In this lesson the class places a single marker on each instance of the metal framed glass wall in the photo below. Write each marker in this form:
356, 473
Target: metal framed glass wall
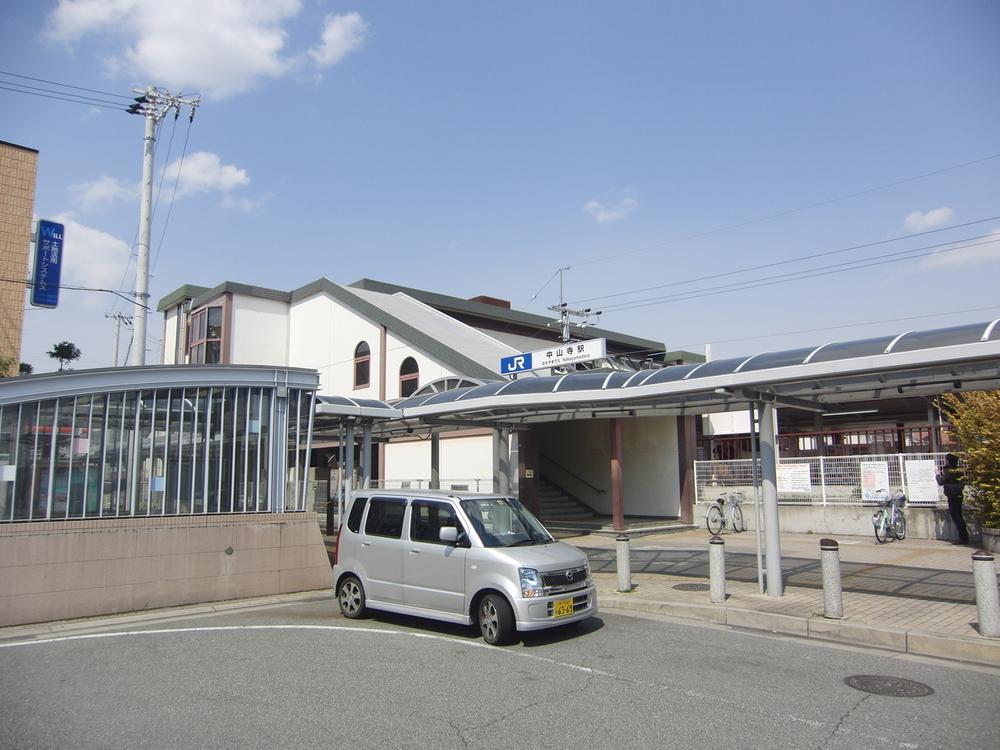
155, 452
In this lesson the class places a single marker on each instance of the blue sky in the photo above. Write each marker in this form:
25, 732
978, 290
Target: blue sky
475, 148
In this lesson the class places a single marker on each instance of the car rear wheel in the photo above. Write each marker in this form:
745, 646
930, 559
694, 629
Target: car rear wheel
351, 597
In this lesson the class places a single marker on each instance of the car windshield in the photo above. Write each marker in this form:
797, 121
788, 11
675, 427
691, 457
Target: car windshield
504, 522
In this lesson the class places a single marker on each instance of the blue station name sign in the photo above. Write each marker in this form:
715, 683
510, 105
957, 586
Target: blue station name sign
48, 263
555, 356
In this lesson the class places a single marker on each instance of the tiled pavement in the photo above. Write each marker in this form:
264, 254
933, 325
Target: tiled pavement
932, 620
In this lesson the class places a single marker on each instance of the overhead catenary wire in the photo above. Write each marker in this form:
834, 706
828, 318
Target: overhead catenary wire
800, 275
787, 261
787, 212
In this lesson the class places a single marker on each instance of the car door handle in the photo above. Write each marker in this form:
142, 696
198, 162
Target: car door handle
366, 544
414, 552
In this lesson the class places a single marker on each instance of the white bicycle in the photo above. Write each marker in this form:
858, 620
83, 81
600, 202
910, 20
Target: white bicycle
889, 518
726, 513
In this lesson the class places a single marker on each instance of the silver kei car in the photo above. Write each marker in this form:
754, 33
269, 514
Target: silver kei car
461, 558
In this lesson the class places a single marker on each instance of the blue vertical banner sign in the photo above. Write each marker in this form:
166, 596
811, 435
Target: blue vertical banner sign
48, 263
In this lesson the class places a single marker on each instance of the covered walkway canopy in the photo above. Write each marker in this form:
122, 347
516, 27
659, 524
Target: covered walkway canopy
814, 378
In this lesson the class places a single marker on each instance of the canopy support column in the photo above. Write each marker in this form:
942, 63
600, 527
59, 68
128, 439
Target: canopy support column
366, 455
435, 461
617, 485
769, 486
501, 461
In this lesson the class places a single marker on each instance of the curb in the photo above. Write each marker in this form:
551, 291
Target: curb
956, 648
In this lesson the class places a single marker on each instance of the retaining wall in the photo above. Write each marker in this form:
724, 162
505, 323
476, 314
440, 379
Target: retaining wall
67, 569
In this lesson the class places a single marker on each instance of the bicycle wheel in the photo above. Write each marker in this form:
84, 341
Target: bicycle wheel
738, 524
881, 523
713, 519
899, 528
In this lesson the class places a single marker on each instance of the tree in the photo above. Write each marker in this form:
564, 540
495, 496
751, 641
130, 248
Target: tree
975, 415
25, 369
64, 351
7, 366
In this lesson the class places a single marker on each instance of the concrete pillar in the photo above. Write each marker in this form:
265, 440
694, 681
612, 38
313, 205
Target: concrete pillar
987, 598
435, 461
687, 446
717, 570
501, 461
617, 484
624, 559
769, 501
833, 595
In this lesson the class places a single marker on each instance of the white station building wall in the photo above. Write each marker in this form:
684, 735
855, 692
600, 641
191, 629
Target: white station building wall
464, 460
259, 331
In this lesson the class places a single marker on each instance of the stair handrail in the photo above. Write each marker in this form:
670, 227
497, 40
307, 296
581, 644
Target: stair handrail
571, 473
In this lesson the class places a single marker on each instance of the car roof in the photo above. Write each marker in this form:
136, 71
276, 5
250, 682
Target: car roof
428, 494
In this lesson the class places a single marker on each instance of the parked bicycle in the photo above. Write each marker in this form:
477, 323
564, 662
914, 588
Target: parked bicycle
889, 518
726, 513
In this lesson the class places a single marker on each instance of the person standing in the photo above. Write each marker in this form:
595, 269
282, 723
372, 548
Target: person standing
953, 485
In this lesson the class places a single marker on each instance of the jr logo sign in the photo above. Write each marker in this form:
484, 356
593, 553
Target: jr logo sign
516, 363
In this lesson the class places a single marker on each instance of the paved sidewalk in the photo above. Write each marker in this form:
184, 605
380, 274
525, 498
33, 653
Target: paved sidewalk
938, 623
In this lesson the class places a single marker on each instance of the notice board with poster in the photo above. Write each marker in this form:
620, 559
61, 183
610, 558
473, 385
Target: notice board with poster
874, 477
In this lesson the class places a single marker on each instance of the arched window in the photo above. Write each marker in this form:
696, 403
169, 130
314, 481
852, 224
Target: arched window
409, 377
362, 365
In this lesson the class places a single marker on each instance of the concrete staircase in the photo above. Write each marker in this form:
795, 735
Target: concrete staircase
557, 506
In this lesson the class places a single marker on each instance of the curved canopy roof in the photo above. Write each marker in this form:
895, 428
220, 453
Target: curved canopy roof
965, 357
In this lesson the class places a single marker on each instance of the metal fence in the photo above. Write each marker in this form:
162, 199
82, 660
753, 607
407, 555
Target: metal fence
829, 480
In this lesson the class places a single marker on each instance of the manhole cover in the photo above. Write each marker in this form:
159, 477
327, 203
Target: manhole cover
691, 586
894, 687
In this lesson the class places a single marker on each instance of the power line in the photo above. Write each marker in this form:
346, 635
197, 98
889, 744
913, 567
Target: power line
28, 89
173, 195
791, 260
789, 211
64, 99
64, 85
27, 282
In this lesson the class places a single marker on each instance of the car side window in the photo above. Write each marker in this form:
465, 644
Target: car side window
357, 511
427, 518
385, 517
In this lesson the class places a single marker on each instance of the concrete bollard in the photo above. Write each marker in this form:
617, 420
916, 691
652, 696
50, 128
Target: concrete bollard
624, 545
833, 595
987, 598
717, 570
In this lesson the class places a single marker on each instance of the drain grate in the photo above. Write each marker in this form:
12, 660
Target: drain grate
691, 586
894, 687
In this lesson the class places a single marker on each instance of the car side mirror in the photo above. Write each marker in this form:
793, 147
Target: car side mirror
448, 534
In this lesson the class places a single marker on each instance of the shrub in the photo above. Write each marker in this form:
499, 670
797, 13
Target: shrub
975, 415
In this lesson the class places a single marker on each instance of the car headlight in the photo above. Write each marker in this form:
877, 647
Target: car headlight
590, 576
531, 583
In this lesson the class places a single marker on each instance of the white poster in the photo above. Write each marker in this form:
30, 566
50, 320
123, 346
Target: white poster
874, 477
794, 479
921, 482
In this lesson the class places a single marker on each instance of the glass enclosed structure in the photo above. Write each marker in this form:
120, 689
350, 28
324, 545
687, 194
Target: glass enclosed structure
155, 441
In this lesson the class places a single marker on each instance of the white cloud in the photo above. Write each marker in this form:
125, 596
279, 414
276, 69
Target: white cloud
977, 254
609, 214
341, 36
203, 172
921, 222
91, 257
103, 192
218, 47
246, 205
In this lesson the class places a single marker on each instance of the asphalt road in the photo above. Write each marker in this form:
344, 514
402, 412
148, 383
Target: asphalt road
300, 676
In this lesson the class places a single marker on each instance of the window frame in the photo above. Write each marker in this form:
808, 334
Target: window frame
409, 377
372, 503
415, 505
362, 358
199, 341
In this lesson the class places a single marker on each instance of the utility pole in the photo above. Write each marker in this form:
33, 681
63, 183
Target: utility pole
119, 318
566, 312
153, 104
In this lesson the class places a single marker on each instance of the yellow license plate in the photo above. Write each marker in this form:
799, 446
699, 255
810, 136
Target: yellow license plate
562, 608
